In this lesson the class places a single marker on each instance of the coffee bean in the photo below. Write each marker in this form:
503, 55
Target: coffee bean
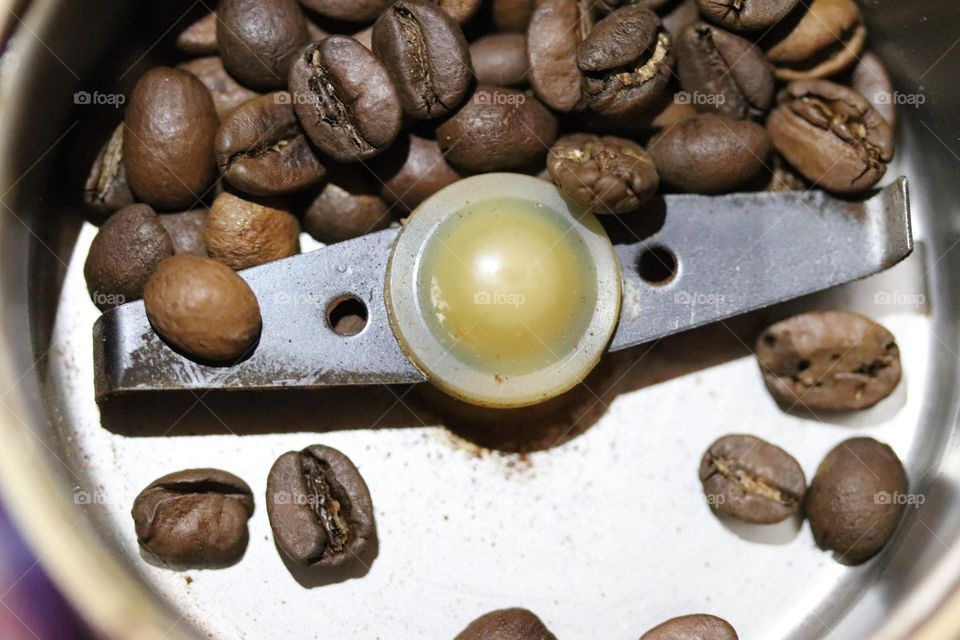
870, 78
710, 153
195, 517
126, 250
227, 93
557, 27
507, 624
831, 135
319, 507
168, 139
603, 174
830, 360
259, 40
346, 207
856, 499
106, 189
186, 231
698, 626
244, 233
460, 10
726, 73
411, 171
512, 15
353, 11
827, 38
678, 16
497, 129
626, 60
200, 38
608, 6
750, 15
203, 309
262, 150
784, 178
752, 480
426, 55
344, 98
500, 59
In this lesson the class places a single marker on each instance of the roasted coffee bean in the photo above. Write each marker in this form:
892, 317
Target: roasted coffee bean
674, 113
195, 518
426, 55
227, 93
678, 16
603, 174
870, 79
557, 27
830, 360
125, 251
243, 233
259, 40
353, 11
411, 171
856, 499
319, 507
746, 15
344, 98
500, 59
826, 40
626, 60
186, 231
497, 129
512, 15
831, 135
723, 72
507, 624
347, 206
168, 139
698, 626
710, 153
459, 10
262, 150
202, 308
608, 6
752, 480
106, 189
200, 38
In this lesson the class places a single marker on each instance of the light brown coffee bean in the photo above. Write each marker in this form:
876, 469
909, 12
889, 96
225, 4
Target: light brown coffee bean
827, 39
244, 233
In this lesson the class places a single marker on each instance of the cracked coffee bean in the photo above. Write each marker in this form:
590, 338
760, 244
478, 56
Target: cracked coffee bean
507, 624
603, 174
827, 39
856, 499
829, 360
411, 171
245, 233
262, 150
831, 135
557, 27
186, 231
106, 189
345, 100
227, 93
746, 15
200, 38
319, 507
203, 309
194, 518
352, 11
500, 59
348, 206
425, 53
698, 626
729, 73
752, 480
259, 40
626, 60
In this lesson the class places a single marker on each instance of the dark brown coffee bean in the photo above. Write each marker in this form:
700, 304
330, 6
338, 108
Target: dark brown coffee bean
227, 93
186, 231
752, 480
831, 360
831, 135
195, 517
870, 79
678, 16
106, 189
507, 624
500, 59
125, 251
262, 150
259, 40
723, 72
411, 171
745, 15
353, 11
497, 129
557, 27
626, 60
243, 233
200, 38
856, 499
512, 15
203, 309
698, 626
603, 174
347, 207
710, 153
425, 53
319, 507
827, 39
344, 98
168, 139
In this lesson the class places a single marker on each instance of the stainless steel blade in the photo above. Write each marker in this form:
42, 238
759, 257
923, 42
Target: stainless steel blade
734, 253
